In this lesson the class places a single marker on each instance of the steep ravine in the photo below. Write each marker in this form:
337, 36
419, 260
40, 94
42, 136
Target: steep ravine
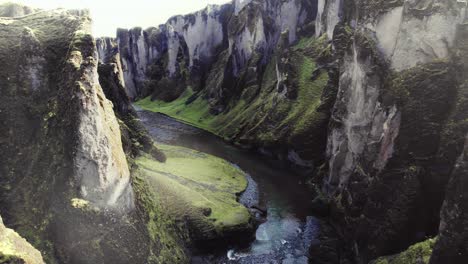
368, 98
370, 94
77, 164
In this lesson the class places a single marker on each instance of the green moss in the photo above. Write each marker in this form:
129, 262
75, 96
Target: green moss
195, 113
166, 238
417, 253
198, 187
304, 111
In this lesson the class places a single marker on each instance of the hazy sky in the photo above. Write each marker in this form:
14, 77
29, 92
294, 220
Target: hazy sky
111, 14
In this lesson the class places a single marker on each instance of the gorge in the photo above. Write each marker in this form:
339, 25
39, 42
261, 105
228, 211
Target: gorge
258, 131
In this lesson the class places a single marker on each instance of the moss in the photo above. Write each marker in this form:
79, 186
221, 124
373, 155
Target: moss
419, 253
425, 107
166, 238
198, 187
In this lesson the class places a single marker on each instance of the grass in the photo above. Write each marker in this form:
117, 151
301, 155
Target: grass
303, 112
417, 253
166, 238
198, 187
196, 113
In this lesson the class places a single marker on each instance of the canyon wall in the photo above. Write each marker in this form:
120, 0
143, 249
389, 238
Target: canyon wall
397, 125
231, 59
66, 155
369, 93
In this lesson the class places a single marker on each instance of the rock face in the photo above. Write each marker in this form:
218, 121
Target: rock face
15, 249
396, 126
100, 163
188, 45
451, 244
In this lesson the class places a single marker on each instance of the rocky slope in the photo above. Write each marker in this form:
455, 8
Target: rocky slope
375, 91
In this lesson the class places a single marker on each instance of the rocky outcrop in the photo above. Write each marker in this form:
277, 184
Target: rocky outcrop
134, 136
15, 249
100, 164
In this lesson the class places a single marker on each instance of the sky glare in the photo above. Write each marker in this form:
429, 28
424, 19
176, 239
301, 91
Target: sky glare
108, 15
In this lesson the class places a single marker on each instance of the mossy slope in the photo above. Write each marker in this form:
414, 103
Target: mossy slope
419, 253
199, 190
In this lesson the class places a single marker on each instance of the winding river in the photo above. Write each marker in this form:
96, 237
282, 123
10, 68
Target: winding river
288, 231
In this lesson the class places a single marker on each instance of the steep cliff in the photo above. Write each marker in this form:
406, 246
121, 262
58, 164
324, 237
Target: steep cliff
65, 180
397, 125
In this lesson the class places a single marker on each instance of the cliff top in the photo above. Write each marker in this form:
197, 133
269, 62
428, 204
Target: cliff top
41, 33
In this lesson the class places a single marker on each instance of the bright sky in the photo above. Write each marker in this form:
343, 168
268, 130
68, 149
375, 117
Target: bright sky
108, 15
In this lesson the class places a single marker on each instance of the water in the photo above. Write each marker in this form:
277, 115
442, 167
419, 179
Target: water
288, 231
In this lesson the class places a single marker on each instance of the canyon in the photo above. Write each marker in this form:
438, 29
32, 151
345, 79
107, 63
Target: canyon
358, 109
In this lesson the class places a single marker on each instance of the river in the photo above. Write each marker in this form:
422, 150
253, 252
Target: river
289, 228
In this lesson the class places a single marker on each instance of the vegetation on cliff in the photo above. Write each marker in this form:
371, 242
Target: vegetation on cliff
419, 253
285, 107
